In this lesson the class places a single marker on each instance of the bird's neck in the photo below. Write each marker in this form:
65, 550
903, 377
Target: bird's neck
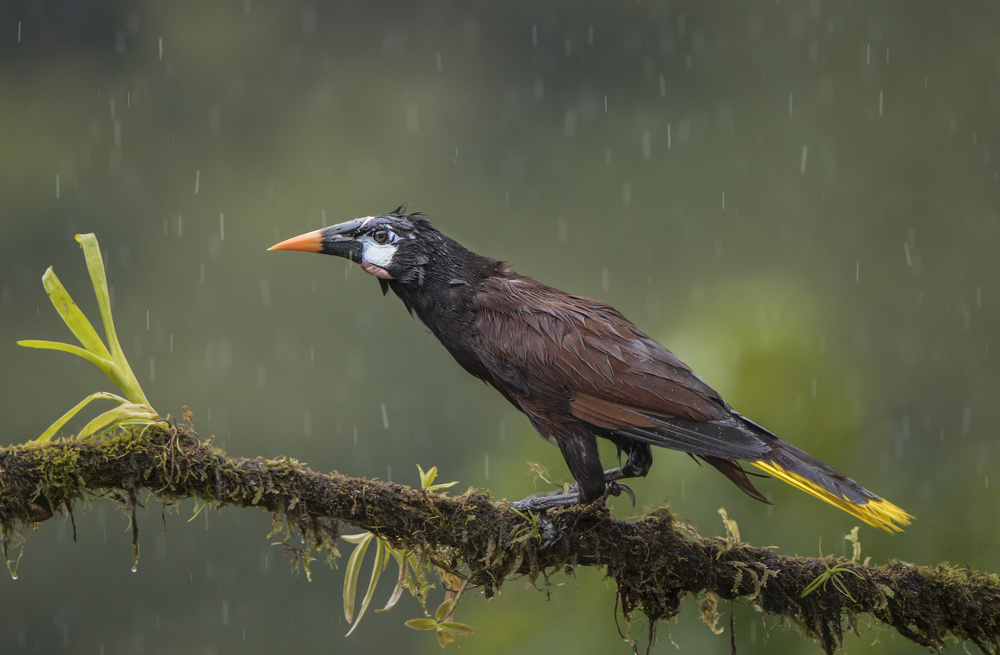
442, 295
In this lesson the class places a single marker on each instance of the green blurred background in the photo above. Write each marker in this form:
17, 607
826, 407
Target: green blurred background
799, 199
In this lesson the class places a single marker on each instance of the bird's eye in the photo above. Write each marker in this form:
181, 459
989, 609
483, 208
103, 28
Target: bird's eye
381, 236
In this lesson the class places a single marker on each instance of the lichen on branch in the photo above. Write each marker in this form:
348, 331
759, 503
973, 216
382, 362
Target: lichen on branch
655, 562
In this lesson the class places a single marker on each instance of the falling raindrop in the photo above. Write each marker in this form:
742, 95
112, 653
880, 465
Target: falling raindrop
487, 476
385, 417
197, 180
57, 186
802, 162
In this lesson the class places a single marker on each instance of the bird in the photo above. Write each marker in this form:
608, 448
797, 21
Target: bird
577, 368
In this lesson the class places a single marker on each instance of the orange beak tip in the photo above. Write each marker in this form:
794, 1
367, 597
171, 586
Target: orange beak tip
308, 242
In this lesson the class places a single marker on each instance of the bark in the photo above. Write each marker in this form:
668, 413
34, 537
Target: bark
656, 562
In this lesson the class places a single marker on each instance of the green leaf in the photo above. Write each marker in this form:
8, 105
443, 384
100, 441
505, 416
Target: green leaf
95, 264
124, 414
444, 609
104, 364
427, 479
55, 427
351, 574
422, 624
443, 485
381, 558
456, 628
71, 314
444, 637
401, 582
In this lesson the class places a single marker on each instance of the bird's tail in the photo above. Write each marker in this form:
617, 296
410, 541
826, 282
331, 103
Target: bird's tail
803, 471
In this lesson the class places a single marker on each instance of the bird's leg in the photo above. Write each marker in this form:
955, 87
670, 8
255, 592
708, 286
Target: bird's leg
640, 459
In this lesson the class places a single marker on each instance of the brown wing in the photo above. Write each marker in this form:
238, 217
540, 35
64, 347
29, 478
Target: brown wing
588, 359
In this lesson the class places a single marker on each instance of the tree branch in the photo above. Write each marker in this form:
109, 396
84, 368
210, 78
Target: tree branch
655, 562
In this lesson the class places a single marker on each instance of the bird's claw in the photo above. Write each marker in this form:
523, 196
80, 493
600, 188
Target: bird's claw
616, 489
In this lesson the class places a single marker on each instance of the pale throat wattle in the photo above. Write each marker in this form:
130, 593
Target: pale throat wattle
376, 257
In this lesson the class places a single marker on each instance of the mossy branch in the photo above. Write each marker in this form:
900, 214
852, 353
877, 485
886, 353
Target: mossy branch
655, 562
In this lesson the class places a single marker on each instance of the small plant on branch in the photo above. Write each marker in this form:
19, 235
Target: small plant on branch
133, 408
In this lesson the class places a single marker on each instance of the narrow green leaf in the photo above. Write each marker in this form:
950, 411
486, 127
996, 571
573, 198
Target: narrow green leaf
356, 538
427, 479
380, 561
122, 372
422, 624
104, 364
351, 575
444, 637
404, 573
95, 264
74, 318
457, 628
126, 413
444, 609
55, 427
443, 485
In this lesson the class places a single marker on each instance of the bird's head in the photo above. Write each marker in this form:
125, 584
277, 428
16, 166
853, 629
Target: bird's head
394, 246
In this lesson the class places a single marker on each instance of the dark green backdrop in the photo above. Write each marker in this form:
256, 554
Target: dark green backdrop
800, 199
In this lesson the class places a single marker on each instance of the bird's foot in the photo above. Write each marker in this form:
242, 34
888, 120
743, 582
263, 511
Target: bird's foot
549, 500
616, 489
545, 501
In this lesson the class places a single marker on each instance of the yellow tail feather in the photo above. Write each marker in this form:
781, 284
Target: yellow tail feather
878, 513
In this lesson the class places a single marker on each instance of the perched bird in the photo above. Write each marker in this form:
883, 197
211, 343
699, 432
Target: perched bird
576, 367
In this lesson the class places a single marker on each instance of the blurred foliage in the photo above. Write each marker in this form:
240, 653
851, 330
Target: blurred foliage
800, 198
